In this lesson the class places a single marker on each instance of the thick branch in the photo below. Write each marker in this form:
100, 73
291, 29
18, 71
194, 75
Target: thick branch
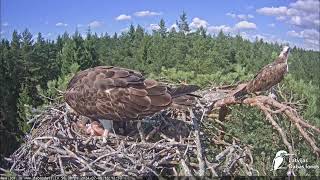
266, 104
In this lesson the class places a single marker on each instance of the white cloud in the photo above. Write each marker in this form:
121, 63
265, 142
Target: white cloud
245, 25
2, 32
174, 25
304, 18
273, 11
250, 16
154, 27
267, 38
296, 20
240, 16
281, 18
197, 23
302, 13
79, 25
95, 24
311, 34
312, 42
60, 24
124, 29
310, 38
46, 35
147, 13
217, 29
272, 25
306, 5
249, 35
293, 33
244, 35
231, 15
83, 35
5, 24
123, 17
249, 7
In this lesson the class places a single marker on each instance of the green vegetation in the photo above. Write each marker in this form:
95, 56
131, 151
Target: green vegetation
31, 69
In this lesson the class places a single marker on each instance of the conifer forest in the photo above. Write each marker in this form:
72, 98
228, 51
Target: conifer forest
35, 72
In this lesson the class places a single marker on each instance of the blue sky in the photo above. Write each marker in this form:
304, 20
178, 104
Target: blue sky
286, 21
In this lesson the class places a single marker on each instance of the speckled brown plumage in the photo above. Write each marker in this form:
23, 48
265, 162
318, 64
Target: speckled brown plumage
268, 76
119, 94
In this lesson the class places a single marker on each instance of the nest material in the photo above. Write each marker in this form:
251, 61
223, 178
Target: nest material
169, 143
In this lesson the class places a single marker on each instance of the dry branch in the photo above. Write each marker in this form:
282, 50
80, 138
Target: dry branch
164, 144
266, 104
161, 145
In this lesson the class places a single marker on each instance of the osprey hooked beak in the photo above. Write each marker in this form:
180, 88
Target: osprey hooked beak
285, 51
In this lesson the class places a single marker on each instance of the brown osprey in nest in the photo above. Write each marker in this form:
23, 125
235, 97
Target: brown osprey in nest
117, 94
268, 76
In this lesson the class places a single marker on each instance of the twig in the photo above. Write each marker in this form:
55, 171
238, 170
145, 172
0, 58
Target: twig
198, 143
61, 165
72, 154
282, 134
186, 169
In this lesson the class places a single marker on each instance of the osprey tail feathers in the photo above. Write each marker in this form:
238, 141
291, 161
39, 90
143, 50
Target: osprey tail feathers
240, 93
183, 90
182, 97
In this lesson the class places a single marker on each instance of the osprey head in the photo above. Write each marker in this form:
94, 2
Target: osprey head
285, 51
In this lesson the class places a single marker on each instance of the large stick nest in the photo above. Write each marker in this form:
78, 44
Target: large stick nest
169, 143
172, 142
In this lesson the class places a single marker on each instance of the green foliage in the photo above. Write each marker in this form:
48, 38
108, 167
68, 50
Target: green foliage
183, 23
55, 88
217, 78
36, 72
24, 110
250, 125
306, 94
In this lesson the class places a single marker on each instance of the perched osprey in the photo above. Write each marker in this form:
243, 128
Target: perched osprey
117, 94
268, 76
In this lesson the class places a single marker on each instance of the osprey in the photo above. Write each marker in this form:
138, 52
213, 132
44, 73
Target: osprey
268, 76
109, 94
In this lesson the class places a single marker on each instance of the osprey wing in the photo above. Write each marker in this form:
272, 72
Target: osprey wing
267, 77
115, 93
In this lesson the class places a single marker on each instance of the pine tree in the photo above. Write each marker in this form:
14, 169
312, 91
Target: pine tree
139, 33
24, 109
131, 32
163, 29
90, 51
196, 58
202, 31
67, 57
183, 23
